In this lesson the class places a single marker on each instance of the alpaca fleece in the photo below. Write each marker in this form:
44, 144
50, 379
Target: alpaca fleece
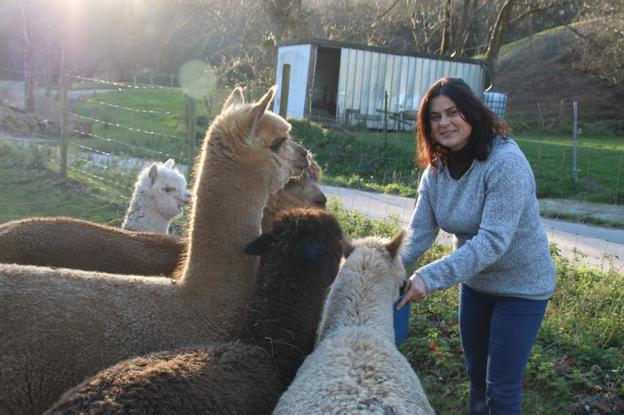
78, 244
356, 367
300, 258
60, 326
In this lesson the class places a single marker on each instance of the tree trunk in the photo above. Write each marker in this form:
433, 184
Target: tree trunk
446, 27
497, 33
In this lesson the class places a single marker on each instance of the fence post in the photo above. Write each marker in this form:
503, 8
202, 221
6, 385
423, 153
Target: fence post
191, 126
385, 118
63, 97
617, 183
574, 116
64, 139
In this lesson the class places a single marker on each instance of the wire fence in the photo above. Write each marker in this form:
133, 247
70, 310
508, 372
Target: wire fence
114, 129
157, 122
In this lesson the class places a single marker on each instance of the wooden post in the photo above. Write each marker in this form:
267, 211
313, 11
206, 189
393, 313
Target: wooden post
63, 98
385, 118
191, 129
574, 114
617, 183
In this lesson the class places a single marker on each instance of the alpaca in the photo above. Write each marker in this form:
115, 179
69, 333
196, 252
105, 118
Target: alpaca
356, 367
59, 326
74, 243
301, 191
300, 259
78, 244
159, 195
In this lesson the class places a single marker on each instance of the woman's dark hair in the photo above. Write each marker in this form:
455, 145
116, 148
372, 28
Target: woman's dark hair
485, 124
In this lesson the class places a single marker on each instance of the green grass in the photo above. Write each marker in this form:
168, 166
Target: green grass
577, 359
30, 188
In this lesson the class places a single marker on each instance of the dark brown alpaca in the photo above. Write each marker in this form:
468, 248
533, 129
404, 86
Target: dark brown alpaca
300, 259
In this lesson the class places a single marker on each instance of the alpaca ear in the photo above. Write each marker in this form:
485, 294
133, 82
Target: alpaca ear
394, 245
153, 173
259, 245
347, 247
308, 251
169, 163
259, 108
235, 98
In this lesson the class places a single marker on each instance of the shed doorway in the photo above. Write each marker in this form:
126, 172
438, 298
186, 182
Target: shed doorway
325, 84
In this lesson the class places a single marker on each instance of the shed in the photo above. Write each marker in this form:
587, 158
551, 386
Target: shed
347, 83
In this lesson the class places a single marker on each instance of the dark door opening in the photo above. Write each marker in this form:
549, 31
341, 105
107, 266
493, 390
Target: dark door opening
325, 84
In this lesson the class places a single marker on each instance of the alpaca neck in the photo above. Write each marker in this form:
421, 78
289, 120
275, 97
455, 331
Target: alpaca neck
354, 303
283, 315
143, 216
227, 210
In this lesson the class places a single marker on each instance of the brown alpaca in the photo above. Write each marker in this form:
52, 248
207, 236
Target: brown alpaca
59, 326
79, 244
300, 259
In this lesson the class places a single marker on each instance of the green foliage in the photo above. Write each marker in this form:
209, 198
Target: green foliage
356, 225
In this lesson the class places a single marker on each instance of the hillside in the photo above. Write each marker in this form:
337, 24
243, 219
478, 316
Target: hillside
543, 71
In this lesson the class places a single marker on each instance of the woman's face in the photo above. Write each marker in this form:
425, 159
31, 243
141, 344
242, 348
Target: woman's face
448, 127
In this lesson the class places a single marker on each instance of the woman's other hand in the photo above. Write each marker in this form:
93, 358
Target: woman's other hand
416, 290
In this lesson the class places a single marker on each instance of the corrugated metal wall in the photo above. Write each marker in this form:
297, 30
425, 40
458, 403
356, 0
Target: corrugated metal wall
365, 76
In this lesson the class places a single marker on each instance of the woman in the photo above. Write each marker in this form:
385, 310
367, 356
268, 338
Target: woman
479, 186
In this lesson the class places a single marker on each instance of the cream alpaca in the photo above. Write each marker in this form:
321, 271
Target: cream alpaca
159, 195
59, 326
356, 367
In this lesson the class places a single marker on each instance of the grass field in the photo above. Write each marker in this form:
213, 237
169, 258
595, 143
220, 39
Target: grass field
151, 123
576, 363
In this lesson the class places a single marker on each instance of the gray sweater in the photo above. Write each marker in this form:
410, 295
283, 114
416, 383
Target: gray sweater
500, 245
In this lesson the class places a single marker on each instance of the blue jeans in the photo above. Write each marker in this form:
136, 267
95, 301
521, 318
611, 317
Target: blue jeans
497, 334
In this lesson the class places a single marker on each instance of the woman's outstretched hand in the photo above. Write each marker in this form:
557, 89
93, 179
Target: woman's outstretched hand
415, 290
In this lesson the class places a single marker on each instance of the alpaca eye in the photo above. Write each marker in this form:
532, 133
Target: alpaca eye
169, 189
277, 143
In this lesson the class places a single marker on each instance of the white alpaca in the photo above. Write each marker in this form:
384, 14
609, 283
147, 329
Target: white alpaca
356, 367
159, 195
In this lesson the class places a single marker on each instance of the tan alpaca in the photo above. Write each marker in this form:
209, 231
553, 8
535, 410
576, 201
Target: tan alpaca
302, 191
59, 326
79, 244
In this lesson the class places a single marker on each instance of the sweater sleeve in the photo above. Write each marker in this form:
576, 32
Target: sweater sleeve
509, 184
423, 227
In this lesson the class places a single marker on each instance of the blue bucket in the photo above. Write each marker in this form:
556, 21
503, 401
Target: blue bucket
401, 322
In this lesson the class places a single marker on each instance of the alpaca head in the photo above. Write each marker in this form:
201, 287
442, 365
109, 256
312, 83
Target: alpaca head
368, 283
301, 191
380, 260
253, 137
165, 188
304, 237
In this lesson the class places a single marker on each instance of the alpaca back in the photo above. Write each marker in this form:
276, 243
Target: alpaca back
74, 243
356, 367
299, 261
159, 194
